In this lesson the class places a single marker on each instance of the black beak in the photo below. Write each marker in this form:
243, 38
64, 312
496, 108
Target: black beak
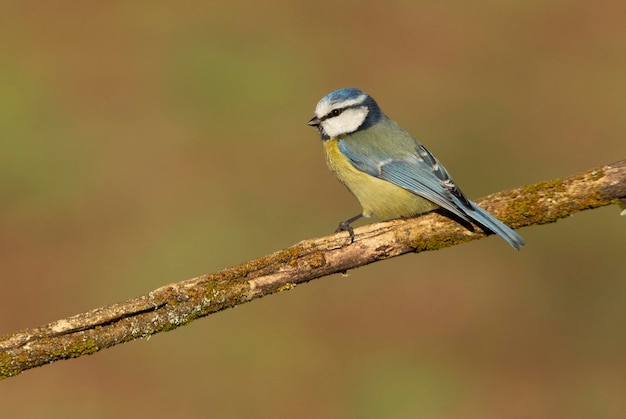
314, 122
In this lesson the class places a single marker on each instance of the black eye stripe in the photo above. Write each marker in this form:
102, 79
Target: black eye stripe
333, 113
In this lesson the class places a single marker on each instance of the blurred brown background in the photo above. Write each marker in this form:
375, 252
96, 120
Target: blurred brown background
143, 143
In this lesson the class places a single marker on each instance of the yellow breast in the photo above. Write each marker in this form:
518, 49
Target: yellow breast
379, 198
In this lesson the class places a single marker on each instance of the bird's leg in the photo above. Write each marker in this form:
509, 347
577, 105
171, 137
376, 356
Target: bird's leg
345, 226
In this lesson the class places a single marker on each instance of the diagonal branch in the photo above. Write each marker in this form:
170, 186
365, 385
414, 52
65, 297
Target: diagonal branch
177, 304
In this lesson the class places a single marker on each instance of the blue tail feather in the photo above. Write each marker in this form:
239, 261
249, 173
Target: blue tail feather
483, 218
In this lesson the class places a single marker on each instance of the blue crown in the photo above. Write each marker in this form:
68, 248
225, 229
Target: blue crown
342, 95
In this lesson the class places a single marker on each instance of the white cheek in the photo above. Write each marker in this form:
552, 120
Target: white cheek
347, 122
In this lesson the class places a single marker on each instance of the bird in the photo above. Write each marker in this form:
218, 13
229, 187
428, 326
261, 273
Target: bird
391, 174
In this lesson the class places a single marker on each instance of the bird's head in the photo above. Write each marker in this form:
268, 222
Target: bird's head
345, 111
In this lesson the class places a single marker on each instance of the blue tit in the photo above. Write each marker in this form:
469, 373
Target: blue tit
388, 171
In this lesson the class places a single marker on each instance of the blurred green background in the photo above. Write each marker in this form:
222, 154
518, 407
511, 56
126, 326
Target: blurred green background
143, 143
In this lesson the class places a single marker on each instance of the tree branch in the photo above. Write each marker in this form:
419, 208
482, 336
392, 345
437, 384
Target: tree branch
177, 304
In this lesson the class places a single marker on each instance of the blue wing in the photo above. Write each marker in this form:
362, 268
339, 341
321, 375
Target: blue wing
418, 171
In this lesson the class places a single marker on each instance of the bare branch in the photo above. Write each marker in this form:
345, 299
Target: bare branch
177, 304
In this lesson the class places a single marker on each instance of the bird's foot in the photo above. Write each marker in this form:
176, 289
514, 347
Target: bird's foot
345, 226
